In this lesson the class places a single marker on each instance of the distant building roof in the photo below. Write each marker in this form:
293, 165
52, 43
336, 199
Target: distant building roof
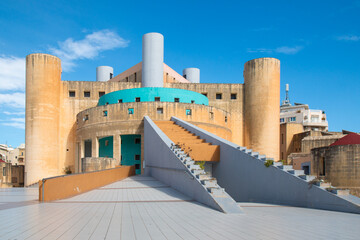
351, 138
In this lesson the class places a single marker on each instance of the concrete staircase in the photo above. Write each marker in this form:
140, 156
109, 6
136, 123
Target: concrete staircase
224, 200
191, 144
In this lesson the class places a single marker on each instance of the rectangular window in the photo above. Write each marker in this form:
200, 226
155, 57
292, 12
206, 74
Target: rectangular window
111, 75
86, 118
86, 94
160, 110
131, 110
157, 99
292, 119
205, 94
188, 111
176, 99
233, 96
120, 101
211, 115
137, 99
282, 138
71, 93
101, 94
137, 157
105, 113
218, 96
137, 140
137, 166
135, 76
4, 171
282, 120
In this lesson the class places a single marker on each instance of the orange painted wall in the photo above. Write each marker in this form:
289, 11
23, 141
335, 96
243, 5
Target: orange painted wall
70, 185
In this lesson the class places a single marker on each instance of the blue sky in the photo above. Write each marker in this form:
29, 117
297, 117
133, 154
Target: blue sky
317, 42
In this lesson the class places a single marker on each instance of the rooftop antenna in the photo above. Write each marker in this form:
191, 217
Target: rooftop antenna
286, 102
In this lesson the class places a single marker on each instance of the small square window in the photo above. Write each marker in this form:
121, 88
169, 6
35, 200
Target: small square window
137, 166
131, 110
157, 99
137, 157
218, 96
137, 140
105, 113
71, 93
188, 111
160, 110
233, 96
176, 99
137, 99
86, 117
205, 94
120, 101
86, 94
101, 94
192, 101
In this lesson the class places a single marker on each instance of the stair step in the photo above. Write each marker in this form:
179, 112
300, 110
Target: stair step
323, 184
216, 190
307, 178
278, 164
203, 176
255, 154
241, 148
341, 192
248, 151
262, 157
286, 167
296, 172
209, 183
193, 167
197, 171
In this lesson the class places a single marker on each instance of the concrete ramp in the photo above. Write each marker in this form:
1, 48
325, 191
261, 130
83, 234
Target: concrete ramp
167, 162
245, 177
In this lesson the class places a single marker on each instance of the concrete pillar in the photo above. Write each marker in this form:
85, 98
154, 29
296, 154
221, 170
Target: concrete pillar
42, 121
116, 148
95, 147
262, 106
104, 73
153, 60
192, 74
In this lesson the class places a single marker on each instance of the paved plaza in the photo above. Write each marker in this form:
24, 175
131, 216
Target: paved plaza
143, 208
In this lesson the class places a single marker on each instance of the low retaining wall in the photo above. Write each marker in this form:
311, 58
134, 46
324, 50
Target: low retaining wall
90, 164
65, 186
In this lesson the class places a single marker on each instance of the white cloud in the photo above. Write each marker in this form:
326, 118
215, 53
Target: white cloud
87, 48
12, 74
352, 38
13, 113
14, 124
288, 50
15, 100
283, 49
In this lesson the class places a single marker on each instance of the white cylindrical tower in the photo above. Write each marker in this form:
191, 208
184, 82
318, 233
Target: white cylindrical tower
153, 60
192, 74
104, 73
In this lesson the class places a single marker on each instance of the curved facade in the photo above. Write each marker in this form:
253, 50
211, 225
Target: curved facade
43, 74
71, 121
262, 110
152, 95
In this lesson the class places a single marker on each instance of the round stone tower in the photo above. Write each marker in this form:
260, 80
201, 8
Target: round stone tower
43, 76
262, 106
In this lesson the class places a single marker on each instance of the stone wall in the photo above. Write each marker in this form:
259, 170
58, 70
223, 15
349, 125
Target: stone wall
90, 164
342, 164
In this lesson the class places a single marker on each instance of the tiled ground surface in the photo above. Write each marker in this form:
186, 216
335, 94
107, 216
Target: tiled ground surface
142, 208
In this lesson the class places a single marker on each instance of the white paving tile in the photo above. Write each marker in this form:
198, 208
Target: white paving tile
142, 208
